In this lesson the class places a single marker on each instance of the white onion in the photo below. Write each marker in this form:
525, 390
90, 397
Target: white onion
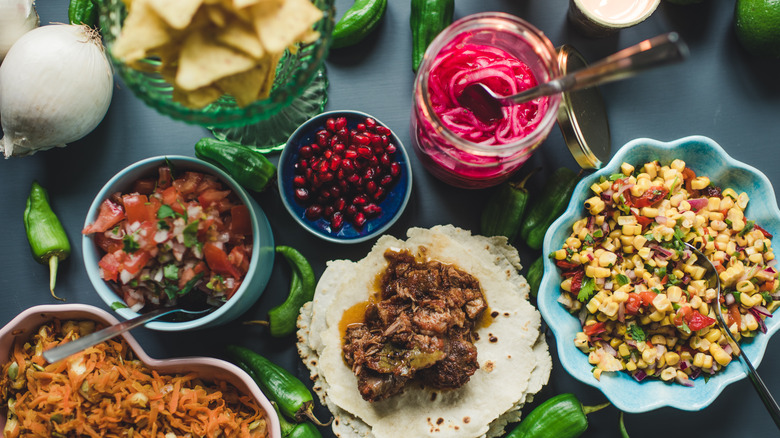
55, 87
17, 17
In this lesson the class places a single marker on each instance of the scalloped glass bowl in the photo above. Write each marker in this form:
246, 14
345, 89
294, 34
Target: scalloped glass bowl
260, 265
207, 368
392, 205
706, 158
294, 74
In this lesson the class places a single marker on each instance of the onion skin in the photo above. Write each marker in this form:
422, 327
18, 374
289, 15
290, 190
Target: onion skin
17, 17
56, 84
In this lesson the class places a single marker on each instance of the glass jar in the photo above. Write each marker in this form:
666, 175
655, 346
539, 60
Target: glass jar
447, 155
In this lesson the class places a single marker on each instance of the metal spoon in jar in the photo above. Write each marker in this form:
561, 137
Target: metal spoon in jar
62, 351
714, 281
661, 50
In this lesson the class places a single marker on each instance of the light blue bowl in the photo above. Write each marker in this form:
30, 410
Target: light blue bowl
261, 263
392, 205
706, 158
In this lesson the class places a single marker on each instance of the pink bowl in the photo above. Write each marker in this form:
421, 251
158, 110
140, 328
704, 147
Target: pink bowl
26, 323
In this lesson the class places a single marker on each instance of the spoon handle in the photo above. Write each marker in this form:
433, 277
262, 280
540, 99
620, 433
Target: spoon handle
62, 351
654, 52
763, 391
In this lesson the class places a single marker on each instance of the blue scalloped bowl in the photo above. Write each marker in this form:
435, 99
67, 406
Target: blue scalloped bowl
705, 157
392, 205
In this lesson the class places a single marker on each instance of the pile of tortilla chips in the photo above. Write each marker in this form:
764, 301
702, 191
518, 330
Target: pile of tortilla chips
208, 48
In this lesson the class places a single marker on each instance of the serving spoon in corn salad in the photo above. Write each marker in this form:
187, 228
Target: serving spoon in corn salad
711, 275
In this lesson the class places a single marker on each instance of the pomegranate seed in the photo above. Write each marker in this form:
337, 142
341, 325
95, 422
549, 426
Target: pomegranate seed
309, 174
350, 210
385, 140
386, 180
343, 135
339, 148
373, 161
302, 163
340, 204
326, 176
382, 130
390, 149
335, 191
347, 165
333, 140
336, 221
322, 167
351, 154
301, 194
395, 169
361, 127
354, 178
340, 175
372, 210
315, 149
361, 140
371, 187
361, 163
364, 151
328, 211
306, 152
327, 154
378, 194
335, 162
385, 160
299, 181
343, 185
341, 123
313, 212
359, 219
330, 125
359, 201
369, 174
370, 123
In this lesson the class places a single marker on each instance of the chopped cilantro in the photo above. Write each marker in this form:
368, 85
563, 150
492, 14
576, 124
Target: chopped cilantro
685, 329
166, 211
660, 272
736, 295
118, 305
622, 279
767, 297
749, 225
587, 290
129, 245
679, 233
616, 176
162, 225
637, 333
190, 284
171, 272
728, 222
589, 239
190, 234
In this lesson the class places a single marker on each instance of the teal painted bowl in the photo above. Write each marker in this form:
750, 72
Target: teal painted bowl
706, 158
261, 262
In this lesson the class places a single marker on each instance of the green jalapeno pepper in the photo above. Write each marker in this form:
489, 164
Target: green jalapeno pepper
293, 397
359, 20
504, 210
534, 275
247, 166
622, 425
562, 416
548, 206
427, 19
282, 318
48, 241
83, 12
296, 430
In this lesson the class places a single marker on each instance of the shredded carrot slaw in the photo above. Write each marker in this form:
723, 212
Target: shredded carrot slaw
105, 391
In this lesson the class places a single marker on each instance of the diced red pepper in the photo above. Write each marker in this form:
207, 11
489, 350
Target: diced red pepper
218, 261
110, 214
633, 303
649, 197
576, 281
734, 317
594, 329
766, 233
647, 297
566, 265
696, 321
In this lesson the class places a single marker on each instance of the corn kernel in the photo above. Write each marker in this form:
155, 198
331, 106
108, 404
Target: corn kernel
746, 286
607, 259
620, 296
593, 305
560, 254
750, 321
656, 316
623, 350
742, 200
668, 374
596, 188
672, 358
678, 165
674, 293
707, 362
595, 205
662, 303
698, 360
700, 182
649, 212
631, 365
713, 335
649, 355
713, 204
626, 169
720, 355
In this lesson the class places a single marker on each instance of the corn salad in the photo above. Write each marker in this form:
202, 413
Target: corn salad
645, 305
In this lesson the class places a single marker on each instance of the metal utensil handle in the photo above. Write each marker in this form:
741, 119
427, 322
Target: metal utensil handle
763, 391
654, 52
61, 352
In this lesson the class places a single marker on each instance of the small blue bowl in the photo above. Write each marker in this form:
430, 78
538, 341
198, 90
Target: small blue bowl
706, 158
392, 205
260, 265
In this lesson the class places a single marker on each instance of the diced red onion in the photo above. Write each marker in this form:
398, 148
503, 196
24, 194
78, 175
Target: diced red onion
730, 299
639, 375
698, 203
727, 348
608, 349
684, 365
622, 312
684, 381
631, 274
762, 310
661, 219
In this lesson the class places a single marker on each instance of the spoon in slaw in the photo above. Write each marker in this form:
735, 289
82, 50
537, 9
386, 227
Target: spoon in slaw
714, 281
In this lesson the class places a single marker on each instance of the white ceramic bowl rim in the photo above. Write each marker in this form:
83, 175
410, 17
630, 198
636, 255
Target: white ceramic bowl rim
305, 127
90, 250
228, 371
641, 10
621, 389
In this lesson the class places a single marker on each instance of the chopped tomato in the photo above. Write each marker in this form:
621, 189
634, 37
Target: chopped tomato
688, 176
188, 183
173, 199
139, 208
110, 265
734, 315
144, 186
696, 321
164, 177
218, 261
134, 262
110, 214
650, 197
633, 303
106, 243
242, 220
576, 281
594, 329
683, 314
212, 196
566, 265
642, 220
239, 257
766, 233
767, 286
647, 297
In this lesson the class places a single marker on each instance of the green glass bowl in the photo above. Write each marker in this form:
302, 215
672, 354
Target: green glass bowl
293, 74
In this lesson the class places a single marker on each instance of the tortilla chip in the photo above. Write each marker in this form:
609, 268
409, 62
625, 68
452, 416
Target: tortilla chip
142, 31
279, 26
177, 13
197, 98
244, 86
241, 36
204, 61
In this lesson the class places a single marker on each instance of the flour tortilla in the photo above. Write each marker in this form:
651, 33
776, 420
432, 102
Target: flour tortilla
513, 356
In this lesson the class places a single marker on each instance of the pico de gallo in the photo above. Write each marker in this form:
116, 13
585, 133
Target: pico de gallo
169, 236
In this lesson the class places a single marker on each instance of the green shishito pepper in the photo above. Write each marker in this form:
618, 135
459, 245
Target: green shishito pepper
534, 275
359, 20
296, 430
282, 318
48, 241
504, 209
247, 166
548, 206
287, 391
562, 416
83, 12
427, 19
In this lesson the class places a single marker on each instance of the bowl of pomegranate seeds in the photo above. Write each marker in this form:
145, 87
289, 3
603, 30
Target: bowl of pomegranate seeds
344, 176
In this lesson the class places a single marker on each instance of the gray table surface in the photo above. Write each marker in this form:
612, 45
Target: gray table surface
720, 92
